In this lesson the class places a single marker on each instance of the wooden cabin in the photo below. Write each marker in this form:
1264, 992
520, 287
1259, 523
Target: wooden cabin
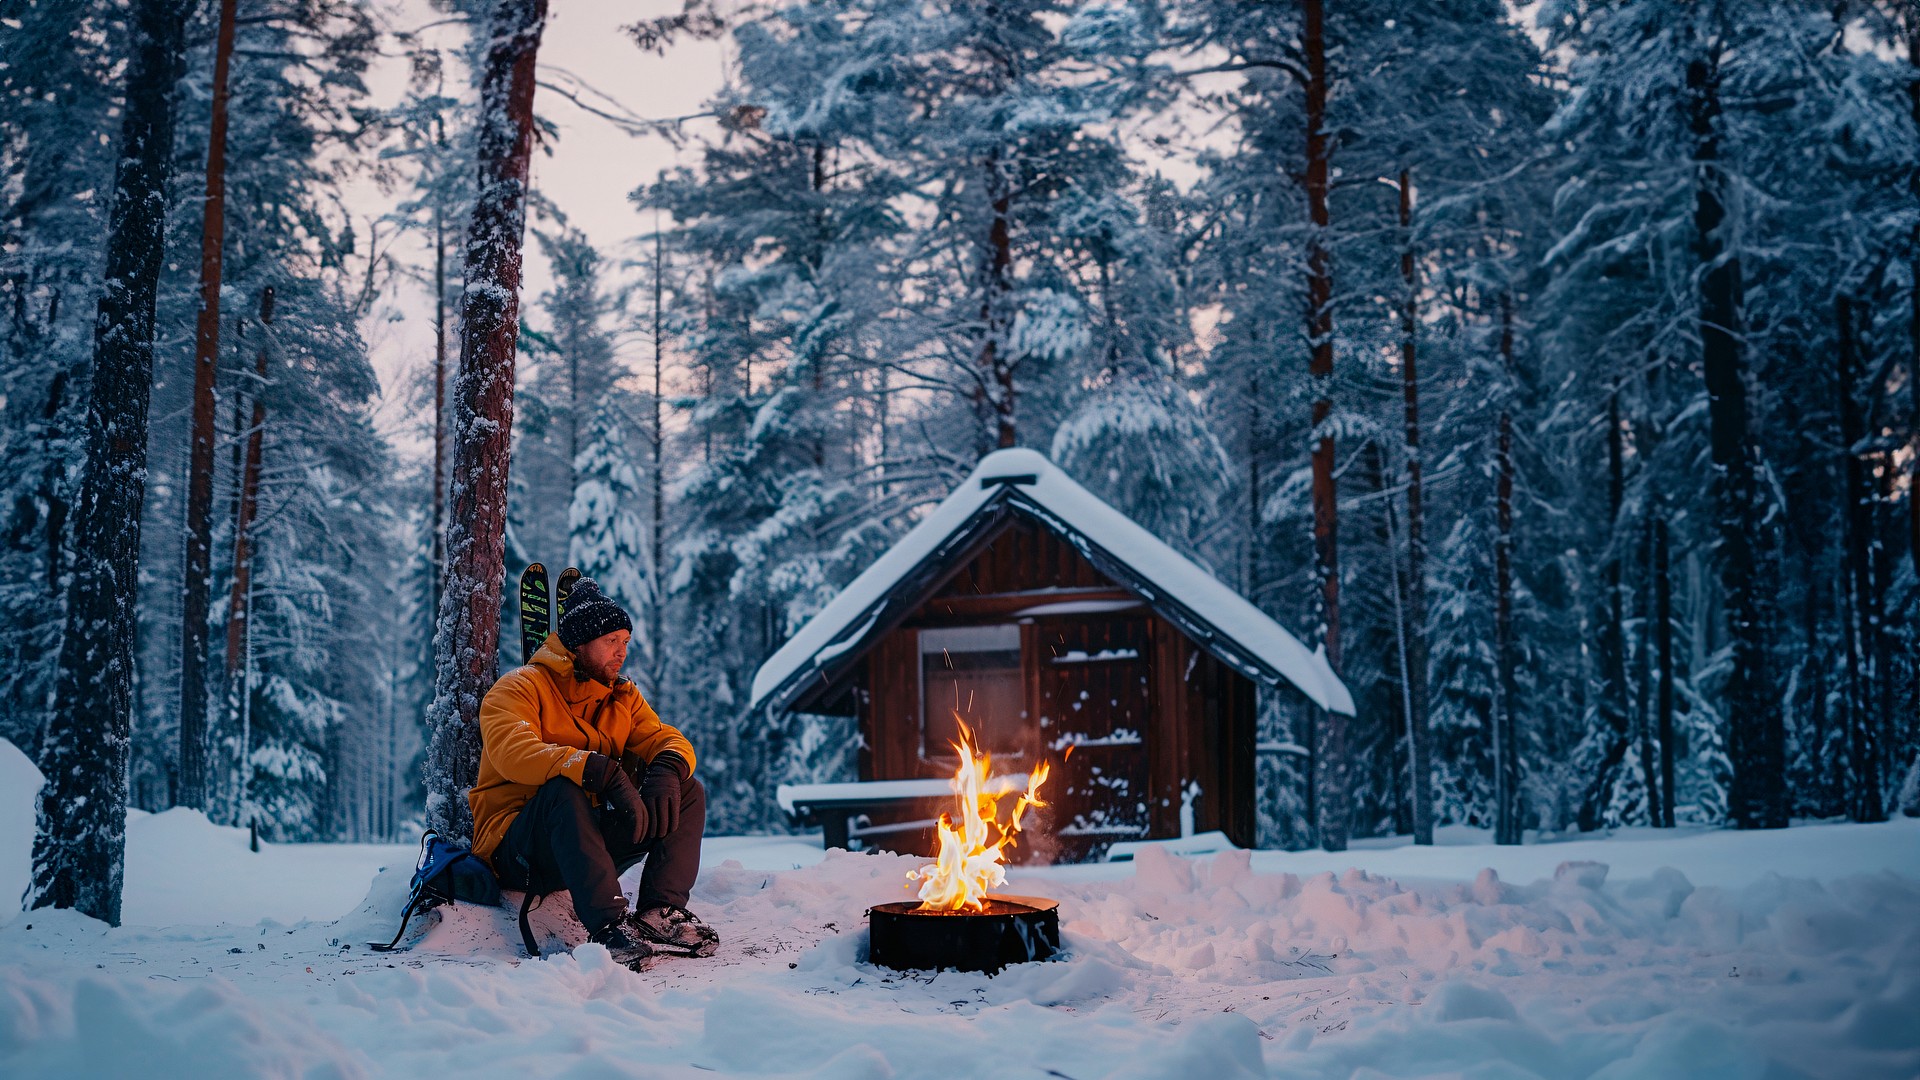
1058, 629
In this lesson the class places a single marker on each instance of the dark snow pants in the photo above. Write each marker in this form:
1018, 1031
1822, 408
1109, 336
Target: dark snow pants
560, 841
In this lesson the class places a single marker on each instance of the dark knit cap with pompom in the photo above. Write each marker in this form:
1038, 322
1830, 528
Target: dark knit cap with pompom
590, 614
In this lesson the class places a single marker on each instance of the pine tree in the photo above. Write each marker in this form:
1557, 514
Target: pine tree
1718, 144
55, 95
467, 634
438, 148
80, 837
606, 522
206, 360
1420, 273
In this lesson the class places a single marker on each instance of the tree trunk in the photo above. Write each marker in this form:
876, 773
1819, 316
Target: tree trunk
1643, 704
1663, 653
996, 316
1913, 315
1821, 765
1507, 826
437, 569
1756, 728
823, 237
1416, 674
55, 488
466, 640
1396, 591
575, 401
206, 363
1887, 737
79, 845
1913, 415
1332, 752
237, 426
240, 593
1613, 635
656, 481
1255, 429
1863, 675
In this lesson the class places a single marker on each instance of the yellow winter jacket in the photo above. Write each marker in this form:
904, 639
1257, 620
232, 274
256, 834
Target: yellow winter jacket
539, 722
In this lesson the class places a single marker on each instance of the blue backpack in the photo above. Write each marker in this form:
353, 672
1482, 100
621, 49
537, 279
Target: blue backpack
446, 873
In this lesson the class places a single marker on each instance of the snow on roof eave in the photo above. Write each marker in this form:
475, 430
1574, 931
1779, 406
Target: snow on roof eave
1283, 660
1222, 621
846, 619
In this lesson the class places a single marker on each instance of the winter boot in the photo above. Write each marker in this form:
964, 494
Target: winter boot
677, 929
625, 943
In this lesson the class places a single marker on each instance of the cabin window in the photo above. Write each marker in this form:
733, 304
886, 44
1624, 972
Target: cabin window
972, 672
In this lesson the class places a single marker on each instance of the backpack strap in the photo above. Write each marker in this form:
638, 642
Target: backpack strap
413, 899
528, 901
405, 917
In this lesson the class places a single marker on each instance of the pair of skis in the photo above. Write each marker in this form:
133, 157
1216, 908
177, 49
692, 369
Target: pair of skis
537, 615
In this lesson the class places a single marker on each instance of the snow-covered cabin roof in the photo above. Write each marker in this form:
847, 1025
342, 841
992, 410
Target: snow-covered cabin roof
1215, 617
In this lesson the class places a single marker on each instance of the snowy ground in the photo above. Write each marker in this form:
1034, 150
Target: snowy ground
1705, 954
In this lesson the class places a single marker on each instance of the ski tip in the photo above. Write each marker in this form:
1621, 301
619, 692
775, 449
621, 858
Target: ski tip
533, 568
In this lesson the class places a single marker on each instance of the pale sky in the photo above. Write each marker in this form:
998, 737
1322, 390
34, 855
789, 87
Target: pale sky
591, 169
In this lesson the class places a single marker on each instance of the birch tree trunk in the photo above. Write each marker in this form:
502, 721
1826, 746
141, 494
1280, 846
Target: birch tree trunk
79, 845
468, 628
206, 363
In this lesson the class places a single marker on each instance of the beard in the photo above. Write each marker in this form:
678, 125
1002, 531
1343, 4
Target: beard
602, 673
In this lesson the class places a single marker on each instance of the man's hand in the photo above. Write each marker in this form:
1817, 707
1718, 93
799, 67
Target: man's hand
660, 790
604, 777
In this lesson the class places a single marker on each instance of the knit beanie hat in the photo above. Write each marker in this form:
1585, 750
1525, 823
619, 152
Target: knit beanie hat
590, 614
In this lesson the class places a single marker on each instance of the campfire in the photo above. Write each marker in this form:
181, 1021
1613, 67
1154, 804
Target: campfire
959, 923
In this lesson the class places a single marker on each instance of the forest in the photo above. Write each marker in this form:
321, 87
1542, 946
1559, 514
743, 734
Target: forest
1554, 367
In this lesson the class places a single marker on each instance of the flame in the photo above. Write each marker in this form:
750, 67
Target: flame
970, 861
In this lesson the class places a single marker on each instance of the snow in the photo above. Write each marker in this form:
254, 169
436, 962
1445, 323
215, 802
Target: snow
1076, 607
1206, 843
19, 787
1055, 498
1675, 953
1119, 737
1081, 656
182, 868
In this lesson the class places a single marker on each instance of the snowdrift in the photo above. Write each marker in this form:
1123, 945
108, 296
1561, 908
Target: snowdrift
1231, 965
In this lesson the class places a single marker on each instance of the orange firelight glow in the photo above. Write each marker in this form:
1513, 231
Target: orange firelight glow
970, 862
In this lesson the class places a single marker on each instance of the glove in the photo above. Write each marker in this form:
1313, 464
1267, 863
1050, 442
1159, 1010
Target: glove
604, 777
660, 790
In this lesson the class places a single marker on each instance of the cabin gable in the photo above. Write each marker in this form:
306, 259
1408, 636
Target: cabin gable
1063, 632
1047, 658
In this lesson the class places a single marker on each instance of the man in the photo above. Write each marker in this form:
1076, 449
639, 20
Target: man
579, 780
